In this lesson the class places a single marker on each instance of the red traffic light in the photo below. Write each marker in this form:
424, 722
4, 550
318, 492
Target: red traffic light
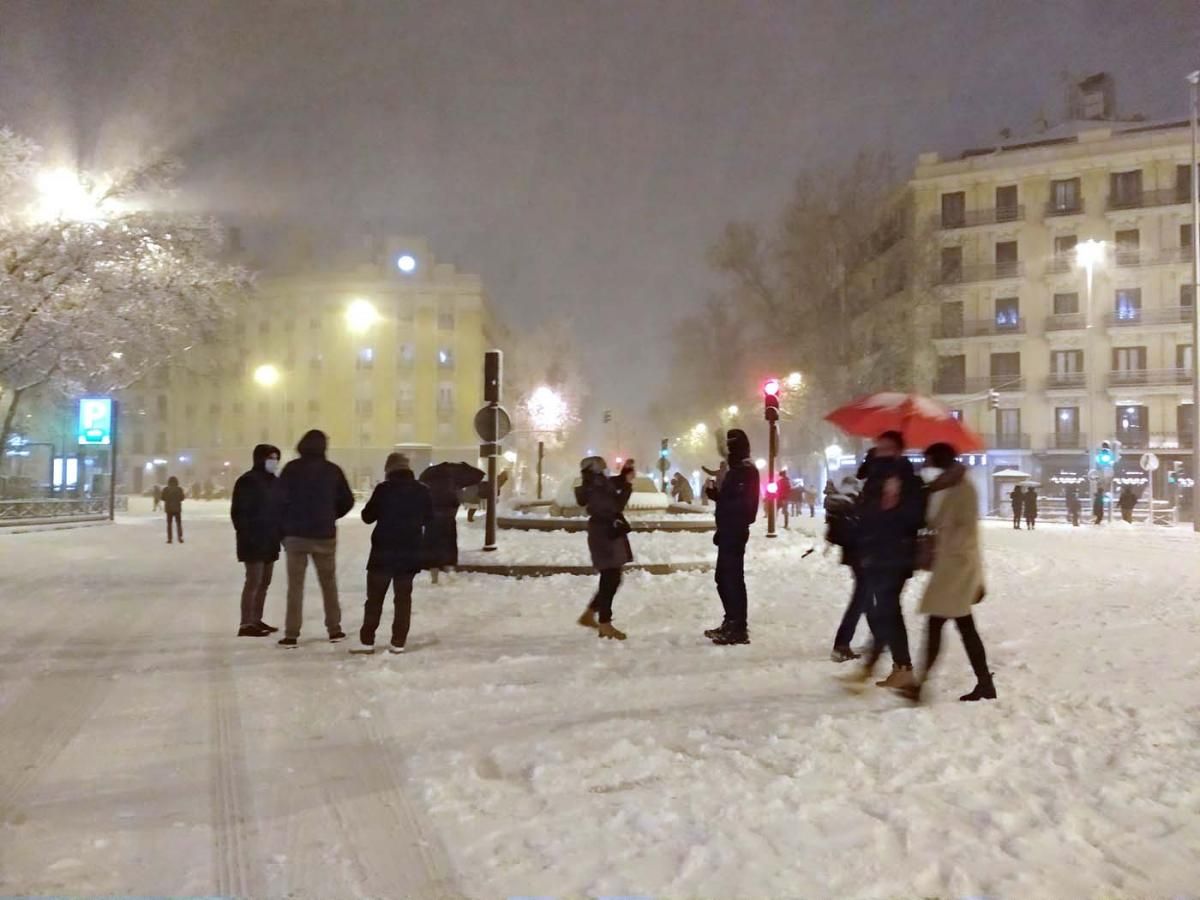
771, 388
772, 488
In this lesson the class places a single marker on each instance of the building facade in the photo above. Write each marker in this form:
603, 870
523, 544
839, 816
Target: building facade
380, 355
1075, 353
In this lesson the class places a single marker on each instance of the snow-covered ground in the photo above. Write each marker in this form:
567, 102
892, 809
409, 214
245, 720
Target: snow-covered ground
145, 750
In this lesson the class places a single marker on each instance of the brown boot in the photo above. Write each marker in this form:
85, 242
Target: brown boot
608, 630
901, 677
588, 619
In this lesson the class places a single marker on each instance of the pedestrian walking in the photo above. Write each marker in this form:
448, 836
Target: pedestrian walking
255, 516
1098, 507
1017, 497
469, 497
891, 512
1128, 502
401, 508
783, 495
157, 495
1073, 505
841, 523
445, 482
681, 489
312, 494
736, 509
607, 537
1030, 506
956, 580
172, 499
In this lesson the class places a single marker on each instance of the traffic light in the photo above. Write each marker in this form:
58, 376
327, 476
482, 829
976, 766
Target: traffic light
493, 364
1106, 457
771, 400
666, 449
607, 416
993, 399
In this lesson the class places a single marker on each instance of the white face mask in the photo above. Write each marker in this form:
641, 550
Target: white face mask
930, 474
271, 465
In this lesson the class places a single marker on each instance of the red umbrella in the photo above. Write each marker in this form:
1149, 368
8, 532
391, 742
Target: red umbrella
922, 421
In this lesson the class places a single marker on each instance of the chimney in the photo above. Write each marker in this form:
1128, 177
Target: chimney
1094, 98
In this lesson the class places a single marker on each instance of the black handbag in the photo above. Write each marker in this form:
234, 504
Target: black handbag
619, 528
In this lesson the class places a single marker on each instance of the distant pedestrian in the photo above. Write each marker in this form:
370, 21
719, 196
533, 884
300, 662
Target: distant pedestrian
1128, 502
255, 516
1031, 507
736, 509
783, 495
810, 495
841, 523
1073, 505
1017, 498
157, 495
956, 582
312, 494
172, 499
1098, 507
402, 510
445, 482
469, 497
681, 489
607, 537
501, 481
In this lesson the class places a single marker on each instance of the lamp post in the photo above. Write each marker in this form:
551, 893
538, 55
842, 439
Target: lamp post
1194, 81
1089, 254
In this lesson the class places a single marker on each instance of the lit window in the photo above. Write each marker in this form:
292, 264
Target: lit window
366, 358
446, 358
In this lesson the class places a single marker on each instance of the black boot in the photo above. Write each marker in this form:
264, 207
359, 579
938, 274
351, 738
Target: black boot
984, 690
731, 635
711, 633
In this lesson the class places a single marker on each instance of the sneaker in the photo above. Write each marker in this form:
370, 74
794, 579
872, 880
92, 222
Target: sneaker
337, 636
360, 647
289, 643
610, 631
731, 636
900, 677
269, 629
396, 648
843, 654
252, 631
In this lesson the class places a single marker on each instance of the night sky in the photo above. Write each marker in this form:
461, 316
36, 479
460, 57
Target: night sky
580, 156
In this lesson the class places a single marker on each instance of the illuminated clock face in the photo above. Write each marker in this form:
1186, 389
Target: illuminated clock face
406, 263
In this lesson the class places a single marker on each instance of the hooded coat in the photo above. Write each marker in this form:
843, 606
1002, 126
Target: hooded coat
172, 496
956, 582
402, 509
312, 492
737, 497
254, 512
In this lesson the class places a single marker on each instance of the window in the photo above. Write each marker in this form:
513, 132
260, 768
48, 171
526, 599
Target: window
952, 374
1125, 189
1066, 304
445, 399
1066, 362
1008, 422
162, 405
1064, 249
404, 312
1185, 423
952, 319
1128, 244
364, 436
951, 263
1006, 203
214, 409
139, 442
364, 406
404, 399
445, 321
1129, 359
1132, 425
1127, 306
1065, 196
445, 358
314, 405
1066, 420
405, 432
1185, 235
365, 359
954, 210
315, 362
1006, 259
956, 415
1183, 183
1183, 356
406, 356
1185, 295
314, 323
1005, 365
160, 442
1008, 313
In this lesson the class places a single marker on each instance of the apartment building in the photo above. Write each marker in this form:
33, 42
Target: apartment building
380, 354
1077, 353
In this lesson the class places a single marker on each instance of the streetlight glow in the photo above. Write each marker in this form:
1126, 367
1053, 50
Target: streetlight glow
701, 428
266, 375
510, 456
361, 315
733, 409
794, 380
547, 409
760, 463
1088, 253
63, 194
407, 263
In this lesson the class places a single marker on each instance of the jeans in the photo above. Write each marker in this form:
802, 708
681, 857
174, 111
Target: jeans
377, 585
254, 591
971, 642
610, 580
325, 562
881, 595
854, 611
177, 518
731, 581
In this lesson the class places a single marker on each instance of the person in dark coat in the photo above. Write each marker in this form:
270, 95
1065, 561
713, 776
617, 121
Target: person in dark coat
1030, 506
1073, 505
841, 523
608, 537
1017, 498
402, 509
445, 482
1128, 502
172, 498
783, 496
681, 489
1098, 506
312, 494
157, 494
255, 521
736, 509
891, 512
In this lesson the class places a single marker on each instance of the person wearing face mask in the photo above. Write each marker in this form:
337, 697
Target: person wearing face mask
256, 524
736, 500
608, 537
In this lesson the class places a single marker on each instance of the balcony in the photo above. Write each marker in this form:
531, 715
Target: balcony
1070, 208
1130, 256
1146, 199
1066, 381
1172, 255
1060, 264
957, 384
1131, 318
976, 217
1069, 322
1007, 441
981, 272
1149, 378
976, 328
1066, 440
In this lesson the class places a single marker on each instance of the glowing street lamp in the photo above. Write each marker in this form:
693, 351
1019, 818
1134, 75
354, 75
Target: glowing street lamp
406, 263
510, 456
266, 376
794, 380
1088, 255
547, 409
701, 428
732, 409
63, 194
361, 315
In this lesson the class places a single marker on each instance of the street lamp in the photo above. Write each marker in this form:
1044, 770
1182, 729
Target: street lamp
794, 380
1194, 81
361, 315
64, 194
701, 428
266, 375
732, 410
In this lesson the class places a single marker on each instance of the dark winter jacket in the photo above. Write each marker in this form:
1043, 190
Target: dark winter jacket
254, 511
312, 492
841, 524
1017, 498
402, 507
172, 498
1072, 500
737, 503
1030, 504
605, 500
1127, 501
445, 481
886, 537
1098, 504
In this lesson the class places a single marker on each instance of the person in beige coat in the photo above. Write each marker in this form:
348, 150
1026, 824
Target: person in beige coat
956, 580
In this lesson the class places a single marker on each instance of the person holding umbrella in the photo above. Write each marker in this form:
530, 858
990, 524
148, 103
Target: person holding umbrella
1017, 498
1031, 507
445, 481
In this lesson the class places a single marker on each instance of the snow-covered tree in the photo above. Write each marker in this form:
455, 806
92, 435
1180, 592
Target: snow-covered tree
98, 284
544, 382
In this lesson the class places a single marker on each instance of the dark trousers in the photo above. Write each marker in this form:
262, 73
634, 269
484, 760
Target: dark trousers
610, 580
1030, 519
178, 520
731, 582
1016, 517
971, 642
254, 591
854, 610
881, 596
323, 553
377, 585
1073, 515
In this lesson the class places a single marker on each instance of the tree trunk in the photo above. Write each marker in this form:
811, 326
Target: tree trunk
7, 429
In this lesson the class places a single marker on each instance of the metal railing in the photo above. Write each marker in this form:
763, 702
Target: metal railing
13, 511
980, 272
1144, 199
1128, 256
1064, 209
975, 217
1149, 377
1066, 440
977, 328
1060, 381
1008, 441
1069, 322
1060, 264
1141, 439
1171, 255
1172, 315
978, 385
